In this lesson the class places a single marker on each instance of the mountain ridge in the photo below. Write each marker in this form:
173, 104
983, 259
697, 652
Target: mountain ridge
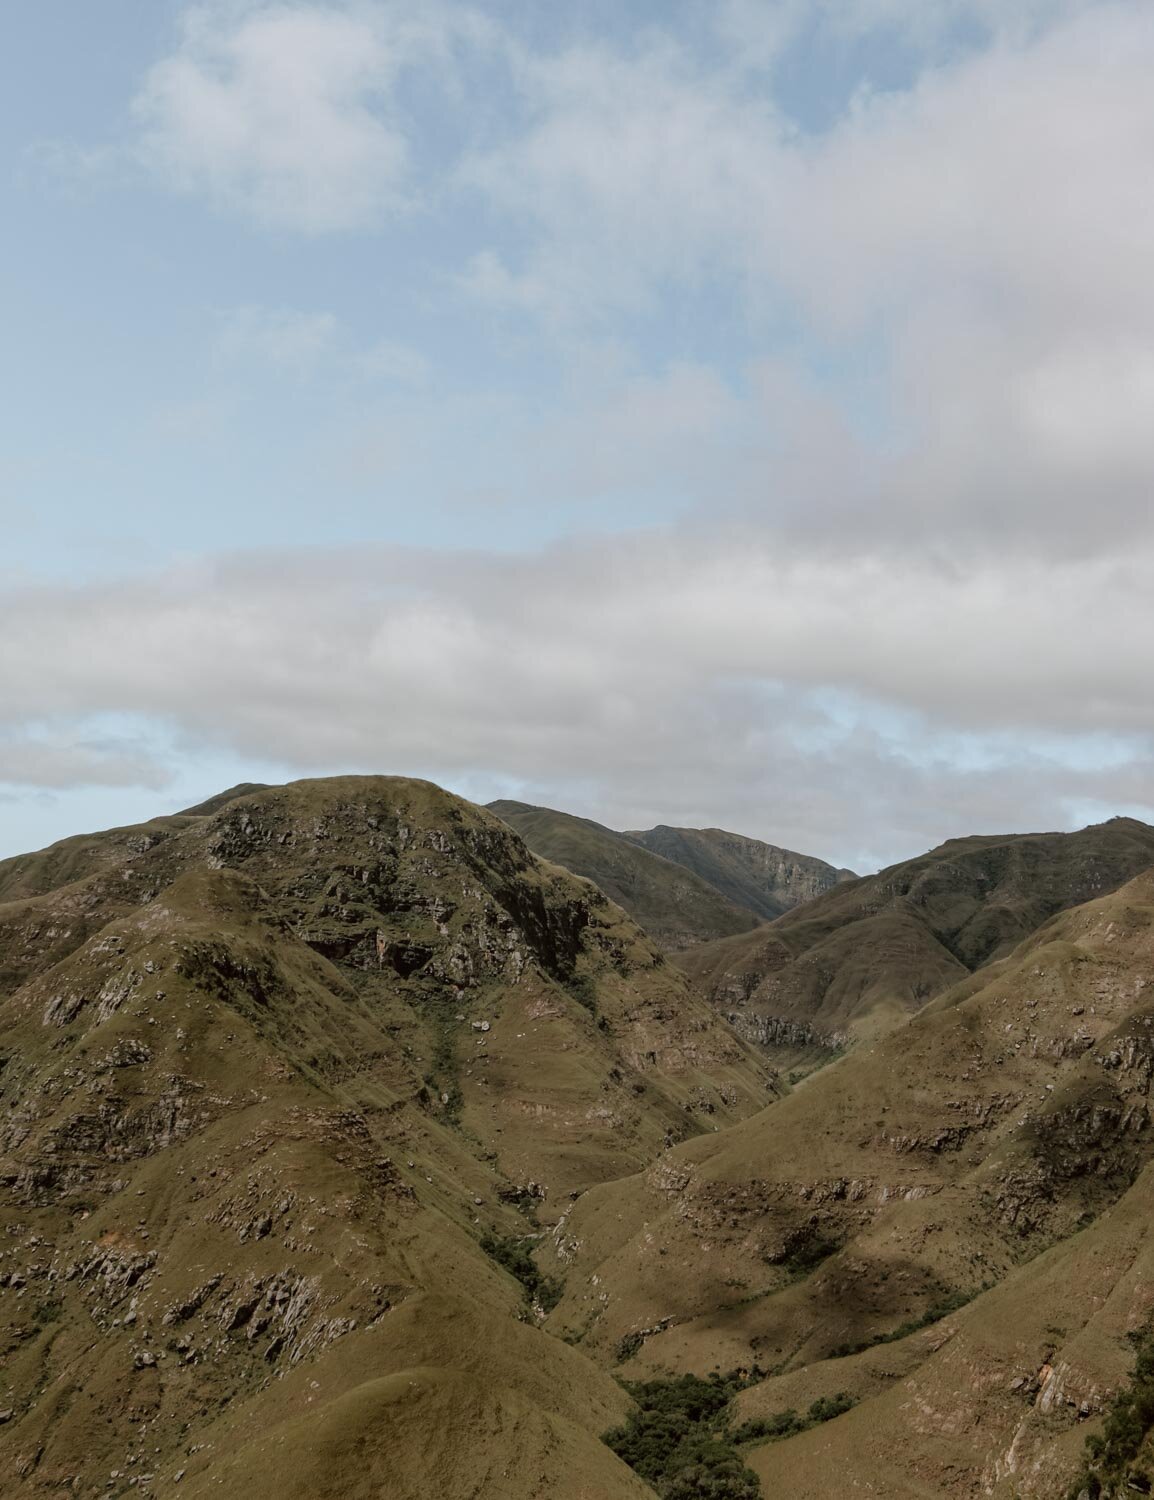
350, 1149
764, 878
864, 1233
683, 885
861, 957
674, 905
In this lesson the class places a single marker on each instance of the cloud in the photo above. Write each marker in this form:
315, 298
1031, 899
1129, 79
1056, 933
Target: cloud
700, 677
400, 363
1007, 172
286, 113
313, 346
57, 759
762, 33
962, 265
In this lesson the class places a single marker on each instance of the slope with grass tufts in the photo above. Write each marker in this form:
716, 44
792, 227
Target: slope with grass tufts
758, 876
949, 1229
276, 1079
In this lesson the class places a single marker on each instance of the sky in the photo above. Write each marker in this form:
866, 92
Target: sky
729, 414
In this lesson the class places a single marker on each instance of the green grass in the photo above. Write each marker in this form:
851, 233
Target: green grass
675, 906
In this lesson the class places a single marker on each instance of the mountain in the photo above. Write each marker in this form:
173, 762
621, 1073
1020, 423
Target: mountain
288, 1091
759, 877
944, 1239
349, 1150
675, 906
859, 958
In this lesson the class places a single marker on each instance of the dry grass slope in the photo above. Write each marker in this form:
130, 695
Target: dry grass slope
965, 1203
269, 1075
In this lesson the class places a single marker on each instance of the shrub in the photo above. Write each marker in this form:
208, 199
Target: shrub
512, 1254
583, 988
806, 1253
679, 1439
1110, 1454
785, 1423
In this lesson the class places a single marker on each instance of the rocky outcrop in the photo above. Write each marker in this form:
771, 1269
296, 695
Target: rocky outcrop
782, 1033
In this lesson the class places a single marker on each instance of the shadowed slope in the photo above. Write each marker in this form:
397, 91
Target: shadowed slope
759, 877
675, 906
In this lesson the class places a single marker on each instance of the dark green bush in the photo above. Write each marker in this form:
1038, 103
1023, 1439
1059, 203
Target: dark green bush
806, 1253
727, 1480
761, 1429
513, 1255
1110, 1454
828, 1407
583, 988
785, 1423
679, 1439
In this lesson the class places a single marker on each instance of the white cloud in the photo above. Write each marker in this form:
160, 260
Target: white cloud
1008, 173
284, 112
691, 678
58, 759
978, 246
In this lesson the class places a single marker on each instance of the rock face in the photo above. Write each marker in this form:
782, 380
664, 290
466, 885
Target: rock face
857, 960
675, 906
760, 877
269, 1075
950, 1225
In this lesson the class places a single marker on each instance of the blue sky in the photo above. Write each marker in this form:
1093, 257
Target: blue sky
734, 414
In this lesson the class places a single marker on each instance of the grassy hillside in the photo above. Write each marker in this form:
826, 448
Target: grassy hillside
757, 876
949, 1227
349, 1150
677, 907
288, 1092
858, 959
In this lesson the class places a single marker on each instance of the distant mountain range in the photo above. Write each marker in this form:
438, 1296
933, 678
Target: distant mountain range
349, 1149
859, 958
683, 885
759, 877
